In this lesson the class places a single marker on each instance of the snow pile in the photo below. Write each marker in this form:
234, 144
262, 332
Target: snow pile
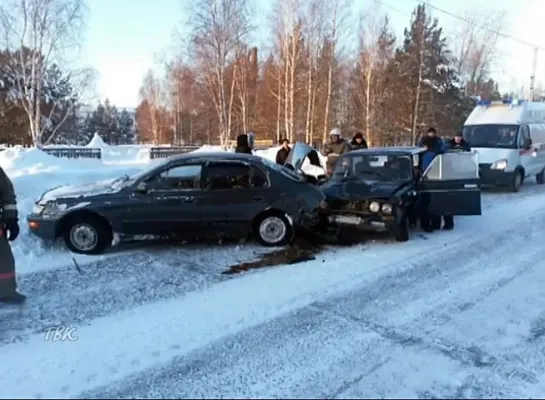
126, 154
97, 142
33, 172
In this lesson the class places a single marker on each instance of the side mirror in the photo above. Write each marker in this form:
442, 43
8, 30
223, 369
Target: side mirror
141, 188
527, 144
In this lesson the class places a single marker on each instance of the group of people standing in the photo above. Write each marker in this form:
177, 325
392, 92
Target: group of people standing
433, 144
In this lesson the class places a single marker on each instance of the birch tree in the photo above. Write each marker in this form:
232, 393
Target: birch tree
218, 29
151, 91
288, 44
376, 52
475, 49
42, 33
338, 11
314, 32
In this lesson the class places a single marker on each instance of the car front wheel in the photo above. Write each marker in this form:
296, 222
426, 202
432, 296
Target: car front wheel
273, 230
87, 235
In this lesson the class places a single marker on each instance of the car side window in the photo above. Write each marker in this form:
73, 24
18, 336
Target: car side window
183, 177
453, 166
224, 176
259, 178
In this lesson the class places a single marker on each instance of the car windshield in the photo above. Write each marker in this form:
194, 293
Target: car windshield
374, 167
283, 170
129, 179
491, 136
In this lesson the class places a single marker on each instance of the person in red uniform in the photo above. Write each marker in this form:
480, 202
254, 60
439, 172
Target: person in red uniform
9, 230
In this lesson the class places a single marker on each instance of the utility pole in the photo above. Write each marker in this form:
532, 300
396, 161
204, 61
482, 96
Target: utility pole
533, 76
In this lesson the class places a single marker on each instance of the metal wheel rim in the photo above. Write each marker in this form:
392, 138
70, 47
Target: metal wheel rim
83, 237
272, 229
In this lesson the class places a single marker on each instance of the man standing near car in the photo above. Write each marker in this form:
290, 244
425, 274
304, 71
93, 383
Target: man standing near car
9, 230
457, 144
436, 145
283, 153
336, 147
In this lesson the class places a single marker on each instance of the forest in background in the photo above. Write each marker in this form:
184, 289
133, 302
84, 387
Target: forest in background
320, 71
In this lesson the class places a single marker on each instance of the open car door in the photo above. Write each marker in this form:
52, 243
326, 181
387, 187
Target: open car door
299, 152
451, 184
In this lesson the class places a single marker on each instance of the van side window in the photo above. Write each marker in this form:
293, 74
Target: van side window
523, 136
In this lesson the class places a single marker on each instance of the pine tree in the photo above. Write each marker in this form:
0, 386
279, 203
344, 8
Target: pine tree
428, 80
126, 127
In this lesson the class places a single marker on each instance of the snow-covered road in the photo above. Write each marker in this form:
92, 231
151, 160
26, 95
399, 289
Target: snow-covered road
452, 314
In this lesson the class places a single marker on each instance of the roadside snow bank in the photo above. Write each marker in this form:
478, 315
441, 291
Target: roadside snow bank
34, 172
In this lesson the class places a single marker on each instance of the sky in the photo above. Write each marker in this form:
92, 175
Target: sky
126, 38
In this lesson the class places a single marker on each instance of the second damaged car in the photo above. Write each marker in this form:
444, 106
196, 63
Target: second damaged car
195, 195
377, 189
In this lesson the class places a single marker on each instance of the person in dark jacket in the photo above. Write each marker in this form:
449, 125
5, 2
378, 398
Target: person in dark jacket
458, 144
9, 230
427, 221
438, 147
282, 154
243, 145
358, 142
438, 143
336, 147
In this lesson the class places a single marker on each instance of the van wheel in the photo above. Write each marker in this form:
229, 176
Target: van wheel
516, 184
540, 178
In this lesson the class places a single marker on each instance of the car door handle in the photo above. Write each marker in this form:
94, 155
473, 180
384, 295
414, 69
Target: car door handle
189, 201
257, 199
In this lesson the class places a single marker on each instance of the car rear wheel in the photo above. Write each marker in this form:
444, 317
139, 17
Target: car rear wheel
273, 229
87, 235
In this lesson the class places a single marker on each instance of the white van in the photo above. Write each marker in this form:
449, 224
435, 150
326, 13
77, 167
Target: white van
509, 137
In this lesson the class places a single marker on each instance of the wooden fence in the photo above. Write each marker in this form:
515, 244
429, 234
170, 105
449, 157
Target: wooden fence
73, 152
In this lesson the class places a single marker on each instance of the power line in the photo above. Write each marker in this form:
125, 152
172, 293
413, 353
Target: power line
467, 21
501, 34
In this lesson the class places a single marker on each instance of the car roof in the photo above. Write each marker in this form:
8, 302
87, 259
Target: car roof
390, 150
215, 155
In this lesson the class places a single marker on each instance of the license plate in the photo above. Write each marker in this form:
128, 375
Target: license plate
342, 219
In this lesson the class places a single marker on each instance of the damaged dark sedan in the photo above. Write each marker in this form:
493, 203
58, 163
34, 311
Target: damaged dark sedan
377, 189
192, 195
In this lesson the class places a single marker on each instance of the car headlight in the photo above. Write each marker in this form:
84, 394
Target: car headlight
374, 206
387, 209
38, 209
500, 164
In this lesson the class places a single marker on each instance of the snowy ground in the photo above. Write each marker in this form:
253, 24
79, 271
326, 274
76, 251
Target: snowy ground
455, 314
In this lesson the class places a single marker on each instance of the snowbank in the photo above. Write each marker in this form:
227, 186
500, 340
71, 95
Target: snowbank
97, 142
34, 172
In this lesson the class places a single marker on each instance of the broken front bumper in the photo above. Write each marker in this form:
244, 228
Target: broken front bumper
370, 223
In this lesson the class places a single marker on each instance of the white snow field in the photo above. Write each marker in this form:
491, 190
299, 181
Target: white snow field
457, 314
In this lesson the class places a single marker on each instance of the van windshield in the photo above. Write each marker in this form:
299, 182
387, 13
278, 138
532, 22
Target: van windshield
491, 136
